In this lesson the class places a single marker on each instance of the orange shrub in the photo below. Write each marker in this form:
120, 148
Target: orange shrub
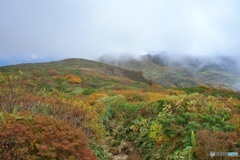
91, 99
73, 79
41, 137
36, 73
51, 72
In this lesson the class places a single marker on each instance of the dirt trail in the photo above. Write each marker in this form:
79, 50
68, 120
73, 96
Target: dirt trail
126, 150
135, 154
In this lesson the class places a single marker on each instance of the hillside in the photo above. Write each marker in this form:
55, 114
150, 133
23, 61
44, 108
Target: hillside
183, 71
81, 109
60, 75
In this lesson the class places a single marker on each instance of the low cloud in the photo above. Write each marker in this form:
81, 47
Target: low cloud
88, 29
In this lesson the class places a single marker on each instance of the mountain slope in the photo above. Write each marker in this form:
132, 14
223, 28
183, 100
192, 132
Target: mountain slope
114, 115
183, 71
66, 74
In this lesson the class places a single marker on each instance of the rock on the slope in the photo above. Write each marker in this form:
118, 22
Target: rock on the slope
114, 151
110, 155
123, 147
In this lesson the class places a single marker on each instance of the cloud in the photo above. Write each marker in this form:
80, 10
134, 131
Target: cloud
88, 29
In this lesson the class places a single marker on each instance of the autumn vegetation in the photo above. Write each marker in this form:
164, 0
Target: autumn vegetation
41, 137
53, 112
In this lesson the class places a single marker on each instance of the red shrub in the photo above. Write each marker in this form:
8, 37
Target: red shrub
41, 137
218, 141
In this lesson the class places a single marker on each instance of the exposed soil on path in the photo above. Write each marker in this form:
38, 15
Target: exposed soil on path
127, 150
135, 154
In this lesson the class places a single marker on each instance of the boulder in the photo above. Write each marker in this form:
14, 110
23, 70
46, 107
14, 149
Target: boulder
113, 150
110, 155
123, 147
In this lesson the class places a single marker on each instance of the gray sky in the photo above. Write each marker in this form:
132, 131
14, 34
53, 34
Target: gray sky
32, 30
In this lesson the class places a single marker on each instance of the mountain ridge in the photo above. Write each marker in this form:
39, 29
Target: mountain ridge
185, 71
116, 116
93, 74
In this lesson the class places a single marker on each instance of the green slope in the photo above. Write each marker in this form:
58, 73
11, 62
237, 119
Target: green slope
178, 75
93, 75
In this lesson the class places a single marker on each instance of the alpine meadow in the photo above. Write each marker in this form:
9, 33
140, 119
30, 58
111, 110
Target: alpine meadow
119, 80
81, 109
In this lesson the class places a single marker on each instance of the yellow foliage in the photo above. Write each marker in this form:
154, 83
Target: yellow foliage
132, 95
97, 96
73, 79
157, 135
91, 99
151, 96
235, 120
174, 92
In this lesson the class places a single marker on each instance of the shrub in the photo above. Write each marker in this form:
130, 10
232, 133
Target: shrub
41, 137
51, 72
88, 91
73, 79
218, 141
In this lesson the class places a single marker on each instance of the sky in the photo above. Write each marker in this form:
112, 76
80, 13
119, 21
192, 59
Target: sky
44, 30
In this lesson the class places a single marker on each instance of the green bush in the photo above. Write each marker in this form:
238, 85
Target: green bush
88, 91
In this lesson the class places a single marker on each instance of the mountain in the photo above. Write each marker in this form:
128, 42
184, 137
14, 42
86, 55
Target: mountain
82, 109
183, 71
93, 74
